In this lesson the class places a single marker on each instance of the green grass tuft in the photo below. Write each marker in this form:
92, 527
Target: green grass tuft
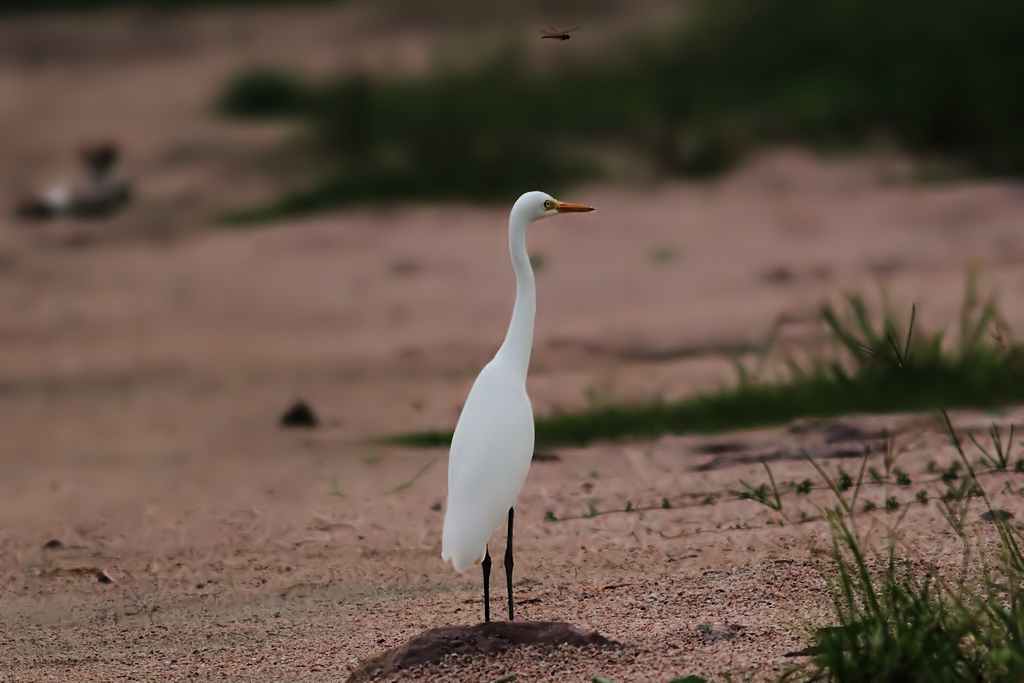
879, 367
901, 619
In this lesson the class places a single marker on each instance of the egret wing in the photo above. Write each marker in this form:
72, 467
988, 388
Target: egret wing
487, 466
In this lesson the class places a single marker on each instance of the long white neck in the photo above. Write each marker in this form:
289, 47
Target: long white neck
515, 350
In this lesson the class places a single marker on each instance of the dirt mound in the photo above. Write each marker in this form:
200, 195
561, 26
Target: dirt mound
489, 638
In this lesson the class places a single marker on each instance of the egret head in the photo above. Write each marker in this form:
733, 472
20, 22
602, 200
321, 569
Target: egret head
536, 205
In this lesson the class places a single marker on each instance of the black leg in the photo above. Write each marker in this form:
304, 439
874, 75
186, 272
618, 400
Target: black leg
487, 585
509, 564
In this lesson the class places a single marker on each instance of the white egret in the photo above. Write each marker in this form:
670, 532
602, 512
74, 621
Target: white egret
493, 442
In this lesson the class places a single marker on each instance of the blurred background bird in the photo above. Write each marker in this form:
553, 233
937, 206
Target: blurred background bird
102, 192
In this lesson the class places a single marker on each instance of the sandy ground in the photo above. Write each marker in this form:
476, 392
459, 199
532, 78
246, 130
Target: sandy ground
145, 363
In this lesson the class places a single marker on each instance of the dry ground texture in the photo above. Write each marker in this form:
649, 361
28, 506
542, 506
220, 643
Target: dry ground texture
145, 361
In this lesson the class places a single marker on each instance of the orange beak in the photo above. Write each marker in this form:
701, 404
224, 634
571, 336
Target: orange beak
567, 207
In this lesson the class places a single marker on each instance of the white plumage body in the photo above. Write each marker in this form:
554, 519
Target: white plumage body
496, 426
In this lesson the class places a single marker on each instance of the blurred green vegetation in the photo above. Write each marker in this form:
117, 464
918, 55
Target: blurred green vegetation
478, 137
264, 92
938, 78
865, 367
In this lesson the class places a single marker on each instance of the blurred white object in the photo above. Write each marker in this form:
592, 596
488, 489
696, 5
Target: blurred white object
57, 198
104, 192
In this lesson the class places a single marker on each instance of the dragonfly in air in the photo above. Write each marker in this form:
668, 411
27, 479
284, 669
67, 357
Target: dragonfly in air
555, 34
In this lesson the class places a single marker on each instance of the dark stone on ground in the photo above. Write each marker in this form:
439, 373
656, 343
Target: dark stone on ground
483, 639
990, 515
715, 633
778, 275
842, 433
852, 449
845, 449
831, 429
720, 447
53, 544
545, 457
299, 415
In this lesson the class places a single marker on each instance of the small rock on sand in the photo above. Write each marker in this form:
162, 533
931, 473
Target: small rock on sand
545, 457
299, 415
990, 515
842, 433
713, 633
